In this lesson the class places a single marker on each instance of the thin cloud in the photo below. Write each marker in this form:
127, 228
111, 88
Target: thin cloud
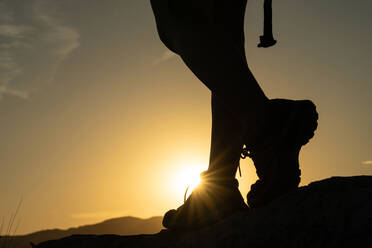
12, 31
167, 55
34, 42
368, 162
17, 93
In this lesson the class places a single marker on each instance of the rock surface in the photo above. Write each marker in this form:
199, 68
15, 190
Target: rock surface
335, 212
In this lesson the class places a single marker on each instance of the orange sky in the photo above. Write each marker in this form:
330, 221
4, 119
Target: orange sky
98, 118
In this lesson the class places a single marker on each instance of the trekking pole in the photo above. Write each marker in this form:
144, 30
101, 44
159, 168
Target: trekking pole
267, 39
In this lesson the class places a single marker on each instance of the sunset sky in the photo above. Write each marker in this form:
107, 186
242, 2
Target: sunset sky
99, 120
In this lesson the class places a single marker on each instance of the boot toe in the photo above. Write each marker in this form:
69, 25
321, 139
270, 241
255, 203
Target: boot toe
168, 218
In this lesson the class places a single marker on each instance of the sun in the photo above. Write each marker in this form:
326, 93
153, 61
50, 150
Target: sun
191, 178
186, 177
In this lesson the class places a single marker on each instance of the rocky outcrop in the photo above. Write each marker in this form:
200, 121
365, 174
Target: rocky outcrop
335, 212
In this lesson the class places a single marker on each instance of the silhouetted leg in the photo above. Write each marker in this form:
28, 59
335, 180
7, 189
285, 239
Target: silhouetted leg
211, 43
226, 141
209, 37
214, 54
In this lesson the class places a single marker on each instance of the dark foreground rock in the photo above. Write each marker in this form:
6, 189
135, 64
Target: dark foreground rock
335, 212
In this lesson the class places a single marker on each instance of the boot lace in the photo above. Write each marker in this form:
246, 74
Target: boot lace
245, 154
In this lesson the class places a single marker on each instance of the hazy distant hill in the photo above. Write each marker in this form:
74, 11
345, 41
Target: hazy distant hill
119, 226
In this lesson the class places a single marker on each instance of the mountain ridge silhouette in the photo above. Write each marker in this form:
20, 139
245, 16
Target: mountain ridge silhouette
127, 225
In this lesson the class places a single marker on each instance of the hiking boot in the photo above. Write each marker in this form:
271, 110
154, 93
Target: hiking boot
276, 177
213, 199
275, 151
